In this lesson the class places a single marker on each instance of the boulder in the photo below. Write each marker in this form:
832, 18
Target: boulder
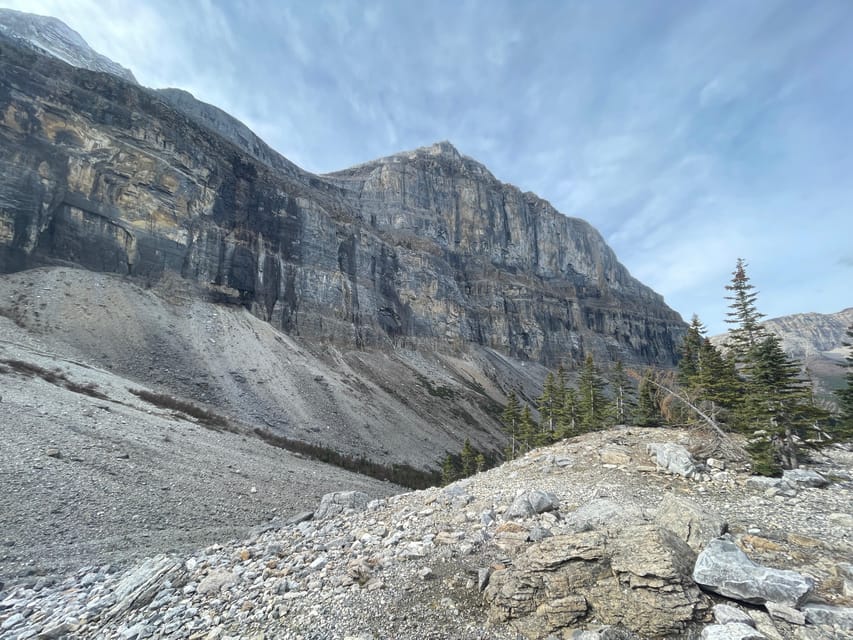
833, 616
724, 569
804, 479
333, 504
530, 503
615, 454
731, 631
725, 614
673, 458
691, 522
139, 585
604, 513
638, 579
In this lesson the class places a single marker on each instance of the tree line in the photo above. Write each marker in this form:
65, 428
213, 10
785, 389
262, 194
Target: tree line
749, 386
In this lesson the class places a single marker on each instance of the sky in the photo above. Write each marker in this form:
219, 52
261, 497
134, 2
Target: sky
690, 134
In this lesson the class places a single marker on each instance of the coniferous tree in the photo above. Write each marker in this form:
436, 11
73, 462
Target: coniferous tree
647, 413
716, 381
510, 419
689, 361
569, 420
549, 403
844, 429
778, 401
527, 429
746, 332
621, 388
480, 462
449, 472
592, 405
468, 458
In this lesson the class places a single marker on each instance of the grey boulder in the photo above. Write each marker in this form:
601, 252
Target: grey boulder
731, 631
530, 503
673, 458
333, 504
724, 569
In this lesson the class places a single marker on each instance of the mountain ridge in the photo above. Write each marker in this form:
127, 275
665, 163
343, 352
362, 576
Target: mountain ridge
459, 235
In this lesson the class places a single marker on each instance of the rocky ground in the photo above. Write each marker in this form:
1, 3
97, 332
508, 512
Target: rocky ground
507, 552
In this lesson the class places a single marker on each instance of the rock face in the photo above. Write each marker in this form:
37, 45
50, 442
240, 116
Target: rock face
55, 38
420, 249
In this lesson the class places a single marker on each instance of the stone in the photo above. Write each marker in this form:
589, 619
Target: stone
531, 503
638, 579
425, 573
215, 581
724, 569
841, 617
672, 458
731, 631
804, 478
333, 504
615, 454
786, 613
725, 614
694, 524
53, 452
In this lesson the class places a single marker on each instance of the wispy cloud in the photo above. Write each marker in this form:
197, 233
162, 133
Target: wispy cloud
689, 133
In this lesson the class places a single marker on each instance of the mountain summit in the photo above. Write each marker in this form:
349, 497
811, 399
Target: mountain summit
57, 39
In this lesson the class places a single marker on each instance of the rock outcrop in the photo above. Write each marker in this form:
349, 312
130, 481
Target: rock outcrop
425, 248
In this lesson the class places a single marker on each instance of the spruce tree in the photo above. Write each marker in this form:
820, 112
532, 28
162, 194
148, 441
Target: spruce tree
844, 428
569, 423
449, 472
527, 429
549, 403
688, 363
647, 413
592, 405
621, 388
746, 332
468, 459
510, 419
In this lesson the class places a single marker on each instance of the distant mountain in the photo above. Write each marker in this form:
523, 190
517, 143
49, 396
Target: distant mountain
56, 38
815, 339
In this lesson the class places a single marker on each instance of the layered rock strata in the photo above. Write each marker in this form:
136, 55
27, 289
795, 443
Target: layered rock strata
425, 248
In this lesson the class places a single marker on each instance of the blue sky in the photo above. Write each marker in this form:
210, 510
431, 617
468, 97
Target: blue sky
688, 133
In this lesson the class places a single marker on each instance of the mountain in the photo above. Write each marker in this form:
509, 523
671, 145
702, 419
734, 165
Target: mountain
403, 298
57, 39
817, 340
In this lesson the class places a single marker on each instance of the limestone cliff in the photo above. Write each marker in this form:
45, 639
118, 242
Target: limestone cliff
425, 249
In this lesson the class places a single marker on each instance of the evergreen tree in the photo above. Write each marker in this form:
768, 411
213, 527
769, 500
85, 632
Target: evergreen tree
689, 361
569, 423
778, 401
716, 381
549, 403
480, 462
647, 413
449, 472
527, 429
468, 458
747, 333
621, 388
592, 405
510, 419
844, 428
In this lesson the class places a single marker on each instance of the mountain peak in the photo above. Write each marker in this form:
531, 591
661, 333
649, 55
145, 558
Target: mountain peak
57, 39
